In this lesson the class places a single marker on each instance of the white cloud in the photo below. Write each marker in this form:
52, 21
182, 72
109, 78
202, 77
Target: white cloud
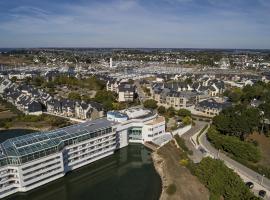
127, 23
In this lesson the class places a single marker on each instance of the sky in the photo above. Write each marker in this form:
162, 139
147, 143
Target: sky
135, 23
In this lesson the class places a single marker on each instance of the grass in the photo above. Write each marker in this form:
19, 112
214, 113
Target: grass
201, 132
181, 142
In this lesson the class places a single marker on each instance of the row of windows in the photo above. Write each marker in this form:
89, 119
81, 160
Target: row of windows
44, 179
41, 163
90, 147
89, 153
42, 168
47, 172
91, 143
152, 135
91, 158
8, 184
7, 171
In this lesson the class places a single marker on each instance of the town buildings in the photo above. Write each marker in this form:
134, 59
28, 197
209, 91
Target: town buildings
34, 101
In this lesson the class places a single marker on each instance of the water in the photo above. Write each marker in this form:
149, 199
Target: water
129, 174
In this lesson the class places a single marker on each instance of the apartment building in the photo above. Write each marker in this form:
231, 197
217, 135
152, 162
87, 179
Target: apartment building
32, 160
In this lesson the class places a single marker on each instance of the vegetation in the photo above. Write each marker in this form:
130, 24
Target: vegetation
150, 103
171, 189
233, 145
237, 121
221, 181
183, 112
161, 110
74, 96
181, 142
47, 119
201, 132
187, 120
91, 83
107, 98
146, 91
10, 106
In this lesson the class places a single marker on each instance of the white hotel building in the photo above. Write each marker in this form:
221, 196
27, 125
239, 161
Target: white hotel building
32, 160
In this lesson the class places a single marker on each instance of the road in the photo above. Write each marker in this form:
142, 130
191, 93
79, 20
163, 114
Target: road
260, 182
140, 91
197, 155
242, 170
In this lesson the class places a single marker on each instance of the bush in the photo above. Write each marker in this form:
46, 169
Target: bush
240, 149
181, 142
150, 103
161, 110
187, 120
222, 181
171, 189
183, 112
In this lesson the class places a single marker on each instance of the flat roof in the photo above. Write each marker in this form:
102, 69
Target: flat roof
157, 120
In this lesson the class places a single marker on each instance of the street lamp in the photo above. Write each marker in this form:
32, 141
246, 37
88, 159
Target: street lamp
262, 179
218, 153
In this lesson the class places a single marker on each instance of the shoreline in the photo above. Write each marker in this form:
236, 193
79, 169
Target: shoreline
159, 167
26, 128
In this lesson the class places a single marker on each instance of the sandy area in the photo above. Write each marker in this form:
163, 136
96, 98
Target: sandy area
188, 187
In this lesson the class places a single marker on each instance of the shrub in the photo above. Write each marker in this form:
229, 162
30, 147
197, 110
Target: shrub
171, 189
222, 181
240, 149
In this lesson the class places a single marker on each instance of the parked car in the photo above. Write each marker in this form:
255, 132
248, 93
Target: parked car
262, 193
202, 150
250, 185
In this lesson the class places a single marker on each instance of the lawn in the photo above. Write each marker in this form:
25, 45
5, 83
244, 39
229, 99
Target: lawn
264, 146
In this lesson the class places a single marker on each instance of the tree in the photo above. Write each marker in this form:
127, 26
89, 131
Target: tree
237, 121
107, 98
150, 103
187, 120
74, 96
222, 181
231, 144
183, 112
170, 112
161, 110
13, 79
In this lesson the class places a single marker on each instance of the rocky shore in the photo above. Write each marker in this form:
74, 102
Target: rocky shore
159, 166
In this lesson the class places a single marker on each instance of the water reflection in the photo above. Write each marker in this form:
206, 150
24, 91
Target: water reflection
128, 174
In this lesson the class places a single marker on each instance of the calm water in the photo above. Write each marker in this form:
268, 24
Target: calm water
127, 175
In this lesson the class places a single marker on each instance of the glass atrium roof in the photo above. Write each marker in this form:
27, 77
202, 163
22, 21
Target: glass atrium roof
36, 142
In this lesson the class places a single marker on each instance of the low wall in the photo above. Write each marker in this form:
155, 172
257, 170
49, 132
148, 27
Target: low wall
181, 131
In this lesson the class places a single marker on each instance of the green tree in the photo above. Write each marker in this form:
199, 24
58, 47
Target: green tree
150, 103
107, 98
240, 149
187, 120
161, 110
183, 112
222, 181
74, 96
13, 79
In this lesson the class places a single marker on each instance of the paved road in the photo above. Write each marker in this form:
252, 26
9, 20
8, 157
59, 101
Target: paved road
140, 91
252, 175
197, 155
245, 173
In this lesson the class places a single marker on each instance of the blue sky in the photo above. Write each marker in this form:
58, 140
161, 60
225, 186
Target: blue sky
135, 23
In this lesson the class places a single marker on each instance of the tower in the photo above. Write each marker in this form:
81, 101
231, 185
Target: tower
111, 63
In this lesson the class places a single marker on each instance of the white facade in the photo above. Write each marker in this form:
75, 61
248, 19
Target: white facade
30, 161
